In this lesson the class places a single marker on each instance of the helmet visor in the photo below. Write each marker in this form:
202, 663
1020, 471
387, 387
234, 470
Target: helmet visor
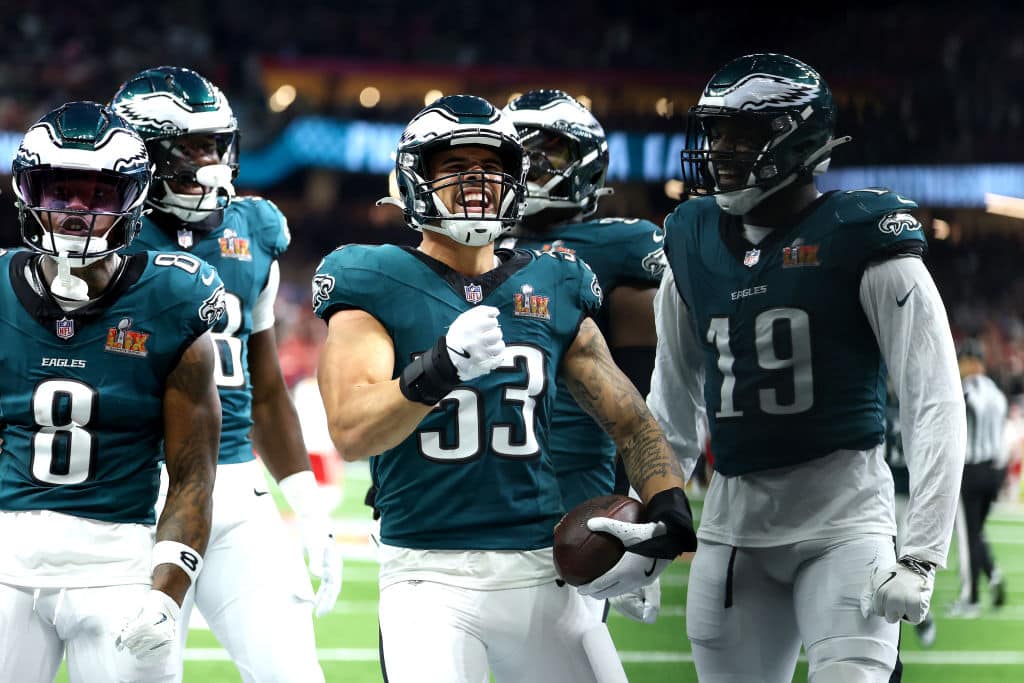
178, 158
83, 191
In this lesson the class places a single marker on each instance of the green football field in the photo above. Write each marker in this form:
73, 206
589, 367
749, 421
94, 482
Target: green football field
983, 650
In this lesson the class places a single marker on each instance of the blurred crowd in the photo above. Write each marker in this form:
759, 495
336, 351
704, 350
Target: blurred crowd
916, 82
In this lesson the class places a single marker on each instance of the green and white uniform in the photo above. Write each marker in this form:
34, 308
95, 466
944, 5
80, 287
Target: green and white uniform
785, 338
82, 415
254, 587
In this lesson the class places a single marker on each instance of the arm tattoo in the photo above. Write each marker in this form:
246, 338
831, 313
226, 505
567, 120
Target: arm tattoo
191, 436
608, 396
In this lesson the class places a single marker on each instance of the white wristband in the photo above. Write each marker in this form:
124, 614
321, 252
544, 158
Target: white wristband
302, 493
180, 555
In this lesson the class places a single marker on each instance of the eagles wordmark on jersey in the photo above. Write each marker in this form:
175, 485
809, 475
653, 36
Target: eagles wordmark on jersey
476, 473
82, 392
781, 326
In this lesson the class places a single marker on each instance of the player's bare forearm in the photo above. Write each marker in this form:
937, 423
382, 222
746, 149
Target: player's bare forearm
607, 395
276, 432
367, 413
192, 418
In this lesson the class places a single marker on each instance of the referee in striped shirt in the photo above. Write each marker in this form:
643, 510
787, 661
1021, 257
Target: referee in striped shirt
984, 471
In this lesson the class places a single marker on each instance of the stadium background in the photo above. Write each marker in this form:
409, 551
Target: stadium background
931, 93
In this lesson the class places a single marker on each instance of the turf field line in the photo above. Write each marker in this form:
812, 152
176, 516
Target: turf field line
965, 658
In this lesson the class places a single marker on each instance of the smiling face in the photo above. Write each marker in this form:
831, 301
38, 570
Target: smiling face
467, 179
735, 144
186, 154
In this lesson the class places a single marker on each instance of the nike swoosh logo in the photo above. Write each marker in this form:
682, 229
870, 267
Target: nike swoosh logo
654, 563
260, 493
892, 575
658, 236
163, 618
463, 353
208, 280
900, 302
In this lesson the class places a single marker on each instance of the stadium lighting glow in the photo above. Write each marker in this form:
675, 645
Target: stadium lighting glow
1004, 205
663, 107
940, 229
369, 97
432, 94
282, 98
674, 189
513, 96
584, 100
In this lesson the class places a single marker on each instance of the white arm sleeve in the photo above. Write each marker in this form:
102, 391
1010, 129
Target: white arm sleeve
918, 350
677, 399
263, 310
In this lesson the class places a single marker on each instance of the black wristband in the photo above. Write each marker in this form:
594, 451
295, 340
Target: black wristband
673, 509
430, 376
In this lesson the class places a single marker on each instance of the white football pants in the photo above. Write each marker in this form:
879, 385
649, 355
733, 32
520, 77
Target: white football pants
436, 633
254, 590
37, 626
749, 609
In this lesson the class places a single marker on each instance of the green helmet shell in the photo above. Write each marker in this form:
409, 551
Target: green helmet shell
451, 121
580, 184
165, 103
84, 142
787, 99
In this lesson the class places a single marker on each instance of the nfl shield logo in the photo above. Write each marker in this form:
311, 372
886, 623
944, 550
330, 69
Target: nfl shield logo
65, 328
751, 258
185, 238
474, 293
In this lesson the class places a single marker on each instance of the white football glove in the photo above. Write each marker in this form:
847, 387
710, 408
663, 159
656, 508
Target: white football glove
642, 605
324, 557
150, 634
633, 571
475, 343
317, 532
903, 591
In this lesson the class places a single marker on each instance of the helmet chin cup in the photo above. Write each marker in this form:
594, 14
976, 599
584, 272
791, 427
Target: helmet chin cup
739, 202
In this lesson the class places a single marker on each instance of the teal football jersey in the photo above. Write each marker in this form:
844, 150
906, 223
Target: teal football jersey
477, 472
792, 368
81, 395
252, 235
621, 251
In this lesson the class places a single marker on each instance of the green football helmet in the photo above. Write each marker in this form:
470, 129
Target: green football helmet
448, 122
80, 176
568, 152
169, 106
781, 108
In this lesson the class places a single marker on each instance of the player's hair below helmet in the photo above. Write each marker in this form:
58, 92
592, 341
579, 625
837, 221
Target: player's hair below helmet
181, 115
779, 117
80, 177
449, 122
568, 151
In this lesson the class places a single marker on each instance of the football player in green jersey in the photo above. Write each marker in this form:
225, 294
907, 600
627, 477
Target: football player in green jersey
779, 318
100, 367
441, 366
568, 163
255, 592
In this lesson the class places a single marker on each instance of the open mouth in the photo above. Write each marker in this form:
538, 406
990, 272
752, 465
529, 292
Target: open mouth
73, 225
476, 203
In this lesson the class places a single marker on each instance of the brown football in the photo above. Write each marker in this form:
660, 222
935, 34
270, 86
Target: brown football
582, 555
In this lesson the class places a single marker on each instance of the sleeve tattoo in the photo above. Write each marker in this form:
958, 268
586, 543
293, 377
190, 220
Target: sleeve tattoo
608, 396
